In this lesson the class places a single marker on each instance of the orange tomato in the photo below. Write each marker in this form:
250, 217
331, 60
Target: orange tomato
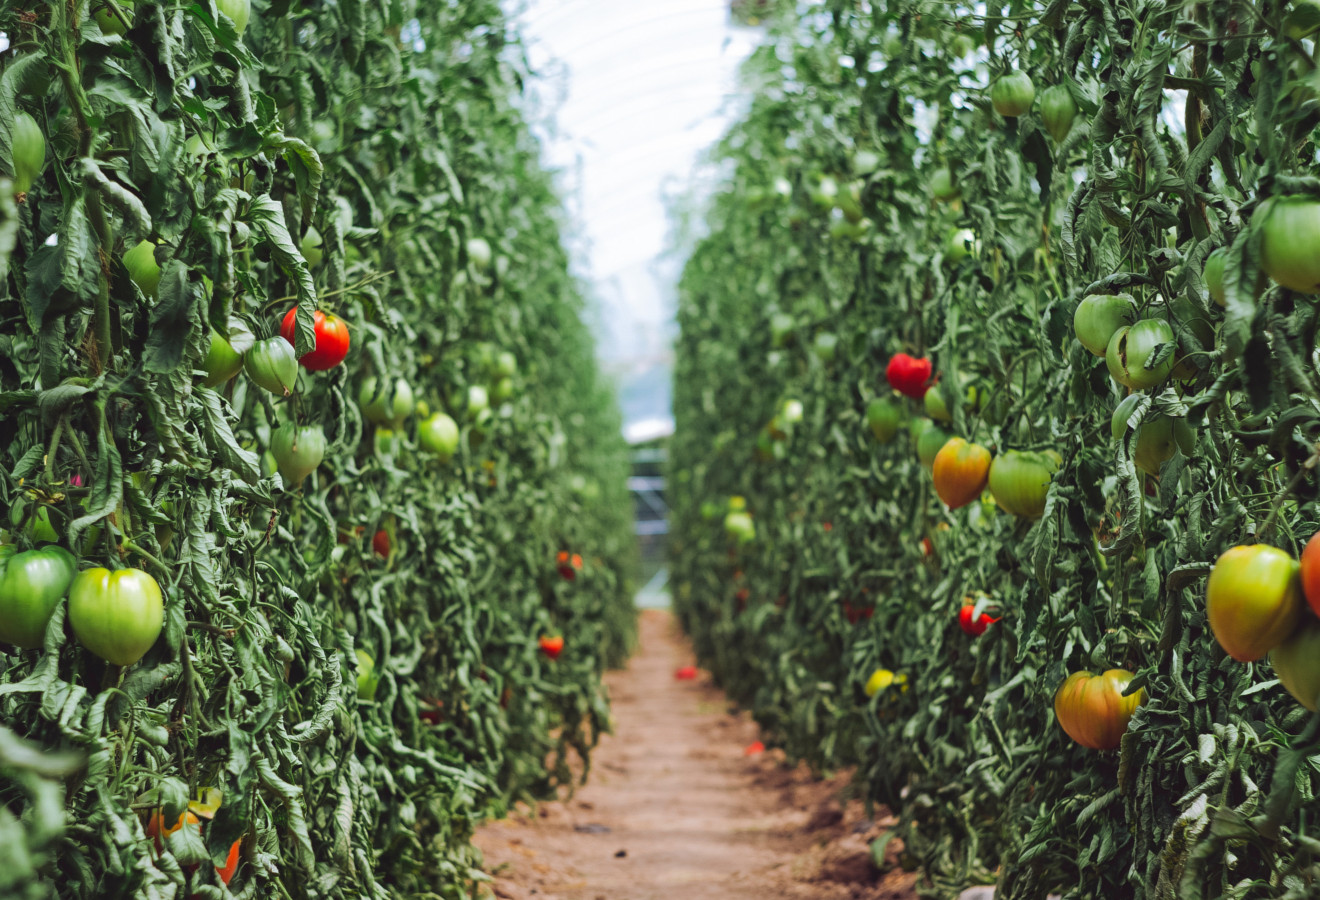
1253, 600
158, 835
1093, 710
961, 472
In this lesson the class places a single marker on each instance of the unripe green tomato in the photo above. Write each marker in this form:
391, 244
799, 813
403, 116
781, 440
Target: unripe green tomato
1213, 275
28, 146
376, 408
936, 407
961, 244
31, 585
1155, 445
825, 194
1012, 94
222, 361
272, 365
109, 22
884, 419
1020, 481
1057, 111
1131, 349
782, 326
503, 390
942, 185
479, 252
143, 270
298, 450
1099, 316
962, 45
238, 11
824, 346
478, 401
311, 247
1290, 241
710, 510
864, 163
739, 527
439, 435
849, 202
931, 440
1297, 663
737, 503
367, 679
116, 615
506, 365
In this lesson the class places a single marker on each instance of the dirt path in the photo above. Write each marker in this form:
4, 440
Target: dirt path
675, 808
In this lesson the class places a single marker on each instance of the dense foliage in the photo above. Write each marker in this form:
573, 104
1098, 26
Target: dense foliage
882, 198
351, 671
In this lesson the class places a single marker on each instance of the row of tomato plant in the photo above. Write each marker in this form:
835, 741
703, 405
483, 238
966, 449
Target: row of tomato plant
997, 410
315, 539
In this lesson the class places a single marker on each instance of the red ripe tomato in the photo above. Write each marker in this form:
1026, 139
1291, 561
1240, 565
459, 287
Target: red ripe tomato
961, 472
1093, 710
552, 646
974, 626
380, 543
1311, 572
1253, 600
331, 340
226, 872
908, 375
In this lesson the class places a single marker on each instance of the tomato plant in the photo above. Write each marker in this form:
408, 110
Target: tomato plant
1253, 600
31, 585
116, 615
1093, 710
961, 471
331, 340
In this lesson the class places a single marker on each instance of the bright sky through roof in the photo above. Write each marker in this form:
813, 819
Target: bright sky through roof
634, 94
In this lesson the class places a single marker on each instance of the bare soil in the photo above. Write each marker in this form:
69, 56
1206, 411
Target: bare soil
675, 807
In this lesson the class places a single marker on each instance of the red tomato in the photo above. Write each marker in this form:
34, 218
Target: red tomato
552, 646
331, 340
226, 872
380, 543
154, 831
1311, 572
1093, 710
755, 748
975, 627
961, 472
577, 561
908, 375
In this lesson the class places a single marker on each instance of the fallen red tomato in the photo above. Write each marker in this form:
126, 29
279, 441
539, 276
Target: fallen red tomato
685, 673
552, 646
908, 375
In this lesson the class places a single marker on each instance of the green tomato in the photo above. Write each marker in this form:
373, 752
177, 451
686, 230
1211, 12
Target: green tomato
782, 326
272, 365
824, 346
1131, 350
1155, 445
367, 679
1290, 241
116, 615
826, 194
28, 146
961, 244
311, 247
503, 390
109, 22
1020, 481
479, 252
929, 443
942, 185
849, 202
1099, 316
238, 11
1297, 663
379, 409
439, 435
478, 401
222, 361
506, 365
864, 163
31, 586
1213, 275
1012, 94
710, 510
143, 270
936, 406
739, 527
298, 451
884, 419
1057, 111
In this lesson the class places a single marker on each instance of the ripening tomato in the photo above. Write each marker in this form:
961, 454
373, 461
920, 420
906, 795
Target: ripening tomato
298, 450
1020, 481
272, 365
1132, 349
971, 623
884, 678
116, 615
31, 585
1297, 663
1057, 111
908, 375
1253, 600
1092, 708
1290, 241
961, 470
552, 646
1012, 94
331, 340
1099, 316
1310, 571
